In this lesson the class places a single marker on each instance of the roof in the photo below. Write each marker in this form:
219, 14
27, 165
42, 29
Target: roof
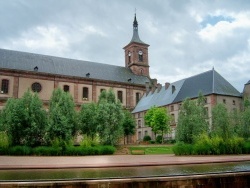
23, 61
210, 82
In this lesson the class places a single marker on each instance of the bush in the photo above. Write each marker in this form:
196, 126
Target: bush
4, 140
158, 139
20, 150
47, 151
146, 138
182, 149
246, 148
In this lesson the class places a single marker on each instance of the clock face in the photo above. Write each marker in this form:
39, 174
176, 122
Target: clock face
129, 54
140, 52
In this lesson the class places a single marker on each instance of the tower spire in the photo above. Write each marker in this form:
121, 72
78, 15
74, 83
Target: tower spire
136, 37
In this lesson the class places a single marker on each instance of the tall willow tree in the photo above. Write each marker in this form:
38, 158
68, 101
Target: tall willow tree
25, 120
62, 116
110, 118
192, 120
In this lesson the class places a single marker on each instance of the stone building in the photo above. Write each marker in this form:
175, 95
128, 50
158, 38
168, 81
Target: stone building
84, 80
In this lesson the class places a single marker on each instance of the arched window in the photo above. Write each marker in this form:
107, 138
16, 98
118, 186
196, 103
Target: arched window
137, 97
85, 93
66, 88
119, 96
36, 87
141, 71
140, 55
5, 86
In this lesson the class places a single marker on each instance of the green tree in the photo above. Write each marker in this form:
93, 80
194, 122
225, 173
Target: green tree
128, 124
221, 122
62, 116
192, 120
88, 120
159, 120
246, 119
110, 118
25, 120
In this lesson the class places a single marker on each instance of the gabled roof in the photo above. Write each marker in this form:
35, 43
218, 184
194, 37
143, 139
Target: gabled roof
23, 61
210, 82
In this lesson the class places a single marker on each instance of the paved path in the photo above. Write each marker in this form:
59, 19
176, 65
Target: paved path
13, 162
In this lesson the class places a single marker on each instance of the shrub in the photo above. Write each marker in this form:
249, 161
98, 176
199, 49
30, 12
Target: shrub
4, 140
246, 147
47, 151
158, 139
182, 149
20, 150
146, 138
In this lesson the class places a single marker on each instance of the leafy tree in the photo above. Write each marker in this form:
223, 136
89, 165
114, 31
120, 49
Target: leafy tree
110, 118
25, 120
159, 120
221, 122
128, 124
246, 119
192, 120
88, 119
62, 116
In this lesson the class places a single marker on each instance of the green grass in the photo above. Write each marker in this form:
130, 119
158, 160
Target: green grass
151, 150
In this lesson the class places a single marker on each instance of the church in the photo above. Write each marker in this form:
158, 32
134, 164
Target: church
85, 80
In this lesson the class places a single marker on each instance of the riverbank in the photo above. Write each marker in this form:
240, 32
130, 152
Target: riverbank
38, 162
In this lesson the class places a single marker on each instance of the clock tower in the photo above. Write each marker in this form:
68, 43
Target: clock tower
136, 53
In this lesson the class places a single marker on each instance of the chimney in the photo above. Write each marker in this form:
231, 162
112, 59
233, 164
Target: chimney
159, 86
167, 84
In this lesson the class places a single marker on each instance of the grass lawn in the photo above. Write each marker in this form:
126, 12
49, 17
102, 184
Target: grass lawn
151, 150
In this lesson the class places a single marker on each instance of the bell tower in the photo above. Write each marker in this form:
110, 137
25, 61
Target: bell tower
136, 53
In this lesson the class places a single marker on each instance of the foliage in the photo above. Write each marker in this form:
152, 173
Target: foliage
4, 140
128, 124
25, 120
221, 122
88, 120
246, 119
62, 116
89, 141
146, 138
151, 150
191, 120
159, 120
182, 148
158, 139
110, 119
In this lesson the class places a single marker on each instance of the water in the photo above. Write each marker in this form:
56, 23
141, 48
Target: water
124, 172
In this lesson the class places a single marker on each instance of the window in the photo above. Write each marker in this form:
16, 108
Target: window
85, 93
205, 100
139, 123
224, 101
172, 119
141, 71
66, 88
36, 87
137, 97
234, 102
145, 133
5, 86
172, 108
102, 90
119, 95
140, 55
139, 135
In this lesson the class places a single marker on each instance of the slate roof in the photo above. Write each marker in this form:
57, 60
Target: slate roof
23, 61
210, 82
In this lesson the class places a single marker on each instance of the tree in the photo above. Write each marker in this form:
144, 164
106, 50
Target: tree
88, 120
128, 124
25, 120
159, 120
246, 119
192, 120
62, 116
110, 118
221, 122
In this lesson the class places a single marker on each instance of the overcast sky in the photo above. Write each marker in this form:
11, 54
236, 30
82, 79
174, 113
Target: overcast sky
186, 37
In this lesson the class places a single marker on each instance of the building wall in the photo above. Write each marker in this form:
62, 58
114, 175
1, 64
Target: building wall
231, 103
20, 82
